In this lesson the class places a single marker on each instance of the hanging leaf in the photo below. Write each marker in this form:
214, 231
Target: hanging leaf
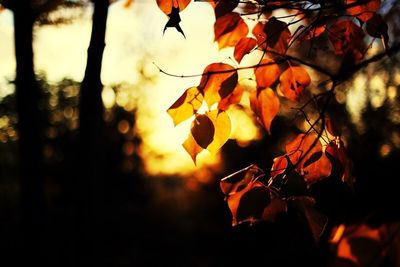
305, 208
222, 125
293, 81
347, 38
166, 6
173, 21
224, 7
186, 105
243, 47
341, 164
267, 73
218, 79
265, 104
230, 98
364, 10
316, 168
314, 32
278, 35
377, 27
203, 130
261, 37
229, 29
235, 182
192, 147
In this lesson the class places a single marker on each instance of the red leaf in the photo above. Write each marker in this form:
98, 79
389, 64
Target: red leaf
229, 29
377, 27
218, 82
278, 35
265, 104
167, 5
293, 81
224, 7
243, 47
314, 32
346, 37
365, 10
268, 74
341, 164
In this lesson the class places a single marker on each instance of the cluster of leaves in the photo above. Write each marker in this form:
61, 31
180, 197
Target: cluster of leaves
318, 153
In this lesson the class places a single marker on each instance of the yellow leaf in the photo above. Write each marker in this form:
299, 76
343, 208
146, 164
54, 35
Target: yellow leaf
222, 125
192, 147
186, 105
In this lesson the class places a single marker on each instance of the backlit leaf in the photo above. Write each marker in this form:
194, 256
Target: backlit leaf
293, 81
267, 73
314, 32
219, 80
203, 130
167, 5
186, 105
229, 29
318, 169
222, 125
347, 38
231, 99
239, 180
243, 47
192, 147
341, 163
278, 35
265, 103
364, 10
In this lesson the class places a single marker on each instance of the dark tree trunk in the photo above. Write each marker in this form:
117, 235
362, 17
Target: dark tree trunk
30, 126
90, 201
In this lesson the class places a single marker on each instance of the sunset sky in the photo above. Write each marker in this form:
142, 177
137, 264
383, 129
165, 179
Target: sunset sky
134, 39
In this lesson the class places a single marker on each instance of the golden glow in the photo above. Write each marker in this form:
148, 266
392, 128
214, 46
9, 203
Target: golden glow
377, 90
385, 150
108, 97
338, 233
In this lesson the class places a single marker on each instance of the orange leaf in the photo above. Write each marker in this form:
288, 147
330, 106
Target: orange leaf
237, 181
365, 10
346, 37
222, 125
229, 29
203, 130
301, 145
192, 147
218, 82
258, 32
265, 103
243, 47
314, 32
167, 5
293, 81
267, 73
317, 167
186, 105
230, 99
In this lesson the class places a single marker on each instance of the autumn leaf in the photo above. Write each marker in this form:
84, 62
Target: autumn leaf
167, 5
224, 7
186, 105
174, 20
317, 167
293, 81
305, 208
341, 164
235, 182
219, 81
278, 35
191, 147
229, 29
258, 32
347, 37
222, 125
364, 10
231, 98
267, 73
265, 104
377, 27
203, 130
243, 47
314, 32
